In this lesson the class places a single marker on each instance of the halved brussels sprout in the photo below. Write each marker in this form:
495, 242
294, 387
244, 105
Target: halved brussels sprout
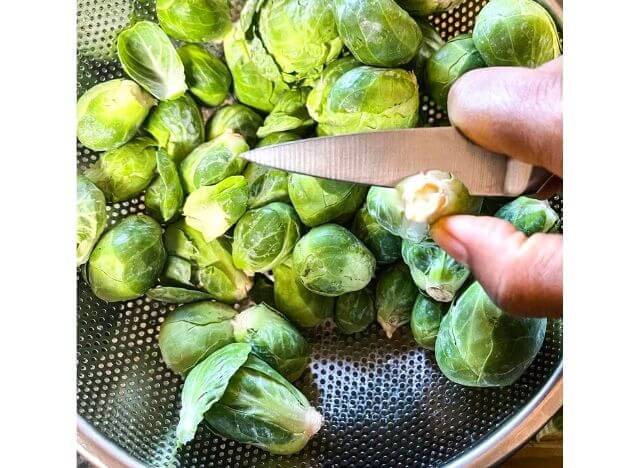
395, 296
318, 201
428, 7
433, 195
194, 20
148, 56
301, 35
127, 260
433, 270
190, 333
91, 217
164, 197
303, 307
355, 311
273, 339
317, 98
383, 244
177, 126
377, 32
214, 161
263, 291
266, 185
426, 316
125, 172
177, 295
366, 99
385, 206
454, 59
212, 264
264, 237
235, 118
478, 345
289, 114
331, 261
110, 114
212, 210
516, 33
207, 76
431, 43
261, 408
257, 81
530, 215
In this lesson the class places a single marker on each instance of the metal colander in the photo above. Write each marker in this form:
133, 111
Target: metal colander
385, 402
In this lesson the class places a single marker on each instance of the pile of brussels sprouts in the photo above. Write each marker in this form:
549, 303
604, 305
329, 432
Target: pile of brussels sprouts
291, 250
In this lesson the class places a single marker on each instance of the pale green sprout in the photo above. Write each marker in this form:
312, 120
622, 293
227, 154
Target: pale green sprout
428, 7
355, 311
266, 185
194, 20
177, 126
91, 217
426, 316
384, 205
212, 210
530, 215
318, 95
208, 78
479, 345
148, 56
289, 114
331, 261
110, 114
164, 197
235, 118
383, 244
214, 161
124, 172
395, 297
273, 339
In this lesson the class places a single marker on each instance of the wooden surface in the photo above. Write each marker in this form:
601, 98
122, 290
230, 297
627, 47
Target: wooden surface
546, 454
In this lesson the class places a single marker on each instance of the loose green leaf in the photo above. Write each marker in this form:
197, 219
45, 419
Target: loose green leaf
177, 295
164, 197
289, 114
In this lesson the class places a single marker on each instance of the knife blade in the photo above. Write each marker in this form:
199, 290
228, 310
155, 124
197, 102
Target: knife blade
385, 158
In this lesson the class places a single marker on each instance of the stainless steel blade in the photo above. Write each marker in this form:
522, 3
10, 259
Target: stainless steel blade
385, 158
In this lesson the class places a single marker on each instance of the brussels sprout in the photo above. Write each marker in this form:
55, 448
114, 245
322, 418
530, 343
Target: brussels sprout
395, 296
257, 80
431, 43
148, 56
164, 197
235, 118
319, 93
289, 114
516, 33
366, 99
261, 408
331, 261
127, 260
213, 210
277, 138
177, 295
194, 20
425, 321
428, 7
264, 237
91, 217
377, 32
212, 262
263, 291
530, 215
205, 385
125, 172
177, 126
318, 201
266, 185
384, 205
214, 161
273, 339
433, 195
301, 35
454, 59
433, 270
303, 307
207, 76
480, 346
384, 245
110, 114
192, 332
355, 311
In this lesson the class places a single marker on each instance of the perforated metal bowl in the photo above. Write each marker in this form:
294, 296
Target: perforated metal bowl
384, 401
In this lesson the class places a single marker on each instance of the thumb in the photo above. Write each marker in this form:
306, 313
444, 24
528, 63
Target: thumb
522, 275
513, 111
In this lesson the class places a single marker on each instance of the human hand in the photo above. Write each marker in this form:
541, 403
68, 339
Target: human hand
517, 112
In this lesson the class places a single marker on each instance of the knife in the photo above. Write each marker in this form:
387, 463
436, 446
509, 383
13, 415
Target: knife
385, 158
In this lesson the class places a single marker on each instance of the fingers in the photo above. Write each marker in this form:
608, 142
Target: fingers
513, 111
522, 275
